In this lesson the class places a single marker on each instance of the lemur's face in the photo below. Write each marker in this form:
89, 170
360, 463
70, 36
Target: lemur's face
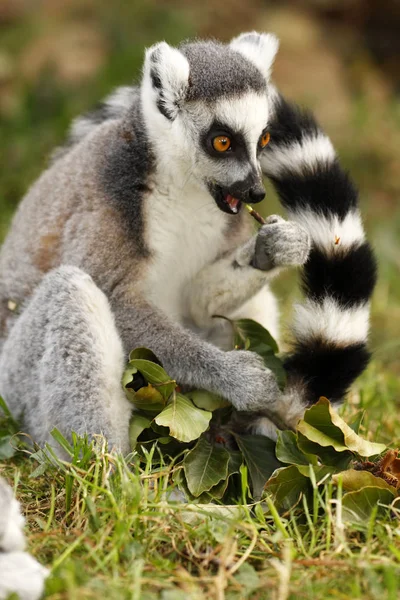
226, 148
212, 102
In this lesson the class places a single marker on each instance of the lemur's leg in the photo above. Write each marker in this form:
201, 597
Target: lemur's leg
62, 363
263, 308
20, 573
21, 576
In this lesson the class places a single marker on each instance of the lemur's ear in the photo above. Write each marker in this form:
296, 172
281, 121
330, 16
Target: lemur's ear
168, 72
259, 48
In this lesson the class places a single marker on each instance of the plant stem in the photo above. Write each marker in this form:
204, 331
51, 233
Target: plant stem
255, 214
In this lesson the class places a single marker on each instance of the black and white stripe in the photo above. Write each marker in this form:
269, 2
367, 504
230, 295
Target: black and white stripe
331, 325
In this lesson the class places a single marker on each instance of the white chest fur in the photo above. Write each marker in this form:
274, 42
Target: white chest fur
185, 232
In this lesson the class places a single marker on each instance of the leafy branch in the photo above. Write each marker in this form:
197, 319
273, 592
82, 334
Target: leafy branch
195, 429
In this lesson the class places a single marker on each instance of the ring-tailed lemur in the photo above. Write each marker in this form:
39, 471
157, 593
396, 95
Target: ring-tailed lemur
136, 236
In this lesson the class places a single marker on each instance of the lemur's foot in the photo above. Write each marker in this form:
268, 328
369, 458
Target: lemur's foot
281, 243
247, 383
266, 427
20, 573
285, 415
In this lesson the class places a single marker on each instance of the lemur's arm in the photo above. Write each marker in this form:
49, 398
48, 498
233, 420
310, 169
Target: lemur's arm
331, 325
237, 376
224, 286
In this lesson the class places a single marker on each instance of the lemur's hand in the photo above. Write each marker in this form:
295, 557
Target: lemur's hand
281, 243
247, 383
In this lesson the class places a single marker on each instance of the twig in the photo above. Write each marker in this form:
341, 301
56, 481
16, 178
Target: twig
255, 214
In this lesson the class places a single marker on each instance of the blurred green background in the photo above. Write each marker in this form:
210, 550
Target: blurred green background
340, 57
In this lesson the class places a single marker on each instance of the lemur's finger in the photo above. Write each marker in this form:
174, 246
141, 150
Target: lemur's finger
274, 219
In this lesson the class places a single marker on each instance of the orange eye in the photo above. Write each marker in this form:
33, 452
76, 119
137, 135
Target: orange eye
264, 139
221, 143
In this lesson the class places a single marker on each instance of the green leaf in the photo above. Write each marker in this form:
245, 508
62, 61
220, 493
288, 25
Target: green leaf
353, 441
275, 364
137, 425
286, 487
155, 375
235, 462
317, 439
6, 449
207, 400
358, 506
317, 426
127, 377
153, 396
165, 440
261, 341
319, 471
146, 401
322, 425
147, 437
327, 455
163, 431
39, 471
250, 335
353, 480
259, 455
64, 443
287, 450
205, 466
144, 353
147, 398
215, 493
186, 422
218, 491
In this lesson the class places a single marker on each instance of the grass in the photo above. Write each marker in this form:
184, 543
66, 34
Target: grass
108, 526
103, 524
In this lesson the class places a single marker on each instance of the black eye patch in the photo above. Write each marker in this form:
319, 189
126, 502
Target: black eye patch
237, 147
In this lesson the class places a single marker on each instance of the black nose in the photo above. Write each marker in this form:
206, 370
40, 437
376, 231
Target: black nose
256, 195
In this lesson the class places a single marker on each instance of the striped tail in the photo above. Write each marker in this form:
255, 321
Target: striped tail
331, 325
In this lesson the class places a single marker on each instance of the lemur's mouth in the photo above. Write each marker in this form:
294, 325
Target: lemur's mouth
225, 201
233, 203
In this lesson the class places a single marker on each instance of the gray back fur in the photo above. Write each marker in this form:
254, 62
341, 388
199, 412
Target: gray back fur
112, 107
74, 214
